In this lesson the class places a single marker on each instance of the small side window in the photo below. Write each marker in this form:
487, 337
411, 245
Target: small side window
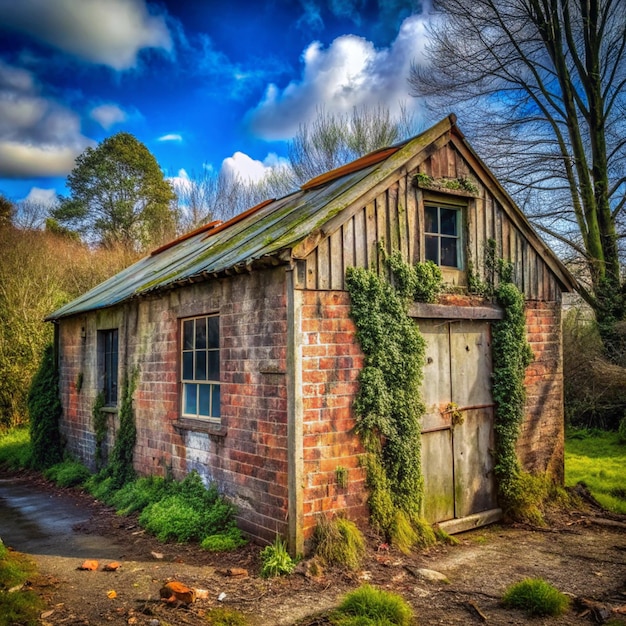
442, 235
108, 357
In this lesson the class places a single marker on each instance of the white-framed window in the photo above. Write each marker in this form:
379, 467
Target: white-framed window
200, 367
108, 359
442, 235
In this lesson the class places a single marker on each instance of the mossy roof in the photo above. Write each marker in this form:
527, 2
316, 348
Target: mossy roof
264, 234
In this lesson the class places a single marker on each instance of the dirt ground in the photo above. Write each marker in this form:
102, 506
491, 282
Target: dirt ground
579, 555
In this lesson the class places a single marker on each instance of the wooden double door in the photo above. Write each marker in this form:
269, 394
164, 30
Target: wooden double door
457, 428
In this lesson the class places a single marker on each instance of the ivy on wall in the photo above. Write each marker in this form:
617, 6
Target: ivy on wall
44, 409
120, 466
388, 405
511, 355
100, 428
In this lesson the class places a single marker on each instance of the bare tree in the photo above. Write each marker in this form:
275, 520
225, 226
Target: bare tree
329, 141
540, 86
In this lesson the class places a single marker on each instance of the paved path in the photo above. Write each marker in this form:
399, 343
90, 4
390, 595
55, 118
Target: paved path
37, 522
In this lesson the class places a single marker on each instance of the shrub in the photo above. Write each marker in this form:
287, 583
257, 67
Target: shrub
137, 495
339, 542
368, 605
44, 409
621, 430
172, 518
536, 597
69, 473
231, 539
275, 560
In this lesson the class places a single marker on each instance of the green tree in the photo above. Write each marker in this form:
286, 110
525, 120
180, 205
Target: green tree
118, 195
541, 88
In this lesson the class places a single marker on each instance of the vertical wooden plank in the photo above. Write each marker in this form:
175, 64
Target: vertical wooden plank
403, 228
452, 170
435, 161
348, 244
393, 218
323, 264
506, 237
479, 235
382, 222
360, 239
311, 270
336, 259
371, 232
412, 221
419, 225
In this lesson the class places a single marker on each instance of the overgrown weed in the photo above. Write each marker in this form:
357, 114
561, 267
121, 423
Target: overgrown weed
338, 541
369, 606
536, 597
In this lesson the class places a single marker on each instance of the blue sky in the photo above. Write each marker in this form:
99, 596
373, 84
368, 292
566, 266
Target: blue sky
202, 84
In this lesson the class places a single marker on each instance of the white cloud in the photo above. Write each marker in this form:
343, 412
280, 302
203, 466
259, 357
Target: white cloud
38, 136
107, 32
175, 137
40, 196
108, 115
242, 166
181, 183
351, 72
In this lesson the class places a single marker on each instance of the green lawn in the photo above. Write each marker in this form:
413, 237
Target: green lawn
598, 460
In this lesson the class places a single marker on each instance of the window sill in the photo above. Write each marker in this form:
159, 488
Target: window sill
200, 426
109, 409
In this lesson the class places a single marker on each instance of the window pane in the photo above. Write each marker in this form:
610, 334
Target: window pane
201, 334
431, 219
214, 365
191, 403
432, 249
448, 222
187, 365
215, 404
204, 393
448, 252
188, 335
200, 365
214, 332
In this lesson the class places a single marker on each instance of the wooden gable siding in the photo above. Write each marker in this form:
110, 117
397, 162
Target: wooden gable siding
397, 216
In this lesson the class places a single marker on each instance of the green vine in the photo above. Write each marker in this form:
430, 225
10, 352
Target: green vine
100, 428
511, 356
44, 410
120, 466
388, 405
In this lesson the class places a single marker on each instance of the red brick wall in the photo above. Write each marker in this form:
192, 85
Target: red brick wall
331, 361
540, 446
248, 457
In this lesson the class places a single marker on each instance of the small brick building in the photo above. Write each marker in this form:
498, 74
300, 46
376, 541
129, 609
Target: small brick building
246, 354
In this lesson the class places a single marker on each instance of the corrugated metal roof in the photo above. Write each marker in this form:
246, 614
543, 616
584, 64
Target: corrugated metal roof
264, 233
257, 234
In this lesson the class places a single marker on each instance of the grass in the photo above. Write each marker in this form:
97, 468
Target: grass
15, 451
535, 596
339, 542
597, 458
17, 606
275, 560
368, 606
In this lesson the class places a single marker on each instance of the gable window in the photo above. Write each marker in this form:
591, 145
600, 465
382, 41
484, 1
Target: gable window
200, 367
108, 362
443, 235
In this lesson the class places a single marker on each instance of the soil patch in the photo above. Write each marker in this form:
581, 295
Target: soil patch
580, 556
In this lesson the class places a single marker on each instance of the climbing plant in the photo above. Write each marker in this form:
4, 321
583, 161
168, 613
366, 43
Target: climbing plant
388, 405
120, 466
100, 428
511, 355
44, 408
